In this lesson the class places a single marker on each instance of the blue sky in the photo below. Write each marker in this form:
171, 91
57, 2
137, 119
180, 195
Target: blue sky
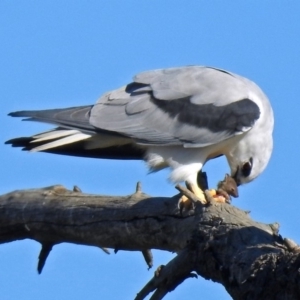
67, 53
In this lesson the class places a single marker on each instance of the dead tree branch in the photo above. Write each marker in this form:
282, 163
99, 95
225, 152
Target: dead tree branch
216, 241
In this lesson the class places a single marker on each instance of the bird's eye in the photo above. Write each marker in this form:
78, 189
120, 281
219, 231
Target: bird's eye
247, 167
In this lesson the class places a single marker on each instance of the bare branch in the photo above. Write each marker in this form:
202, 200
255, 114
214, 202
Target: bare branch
45, 251
217, 241
148, 258
167, 278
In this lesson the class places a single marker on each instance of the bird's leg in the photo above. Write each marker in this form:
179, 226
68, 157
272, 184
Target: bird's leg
185, 202
194, 188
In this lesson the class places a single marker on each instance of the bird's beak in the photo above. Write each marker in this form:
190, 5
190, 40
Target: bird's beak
235, 177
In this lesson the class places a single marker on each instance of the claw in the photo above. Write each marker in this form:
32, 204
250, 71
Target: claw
191, 195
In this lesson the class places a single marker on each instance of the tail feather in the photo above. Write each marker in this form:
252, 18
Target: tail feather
73, 117
53, 134
72, 138
49, 139
123, 152
75, 136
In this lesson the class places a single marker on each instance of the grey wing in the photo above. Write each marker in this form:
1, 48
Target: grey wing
191, 106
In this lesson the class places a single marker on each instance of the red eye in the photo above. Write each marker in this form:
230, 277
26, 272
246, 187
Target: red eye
247, 167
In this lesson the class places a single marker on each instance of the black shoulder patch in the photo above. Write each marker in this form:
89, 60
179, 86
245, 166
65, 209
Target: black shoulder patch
232, 117
136, 87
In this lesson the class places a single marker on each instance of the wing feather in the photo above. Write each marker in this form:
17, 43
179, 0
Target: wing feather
61, 142
191, 106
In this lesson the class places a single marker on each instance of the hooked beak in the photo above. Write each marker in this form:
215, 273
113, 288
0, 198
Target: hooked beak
235, 176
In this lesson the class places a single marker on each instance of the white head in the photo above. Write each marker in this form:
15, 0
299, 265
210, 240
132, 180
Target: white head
250, 157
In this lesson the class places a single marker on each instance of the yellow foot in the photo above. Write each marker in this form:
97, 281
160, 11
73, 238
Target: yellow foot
195, 189
215, 195
192, 195
185, 203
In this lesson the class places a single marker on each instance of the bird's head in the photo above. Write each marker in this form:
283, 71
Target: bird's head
243, 172
249, 160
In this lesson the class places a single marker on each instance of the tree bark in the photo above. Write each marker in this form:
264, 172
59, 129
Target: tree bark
216, 241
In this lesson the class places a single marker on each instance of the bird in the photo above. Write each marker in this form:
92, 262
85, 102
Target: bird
178, 118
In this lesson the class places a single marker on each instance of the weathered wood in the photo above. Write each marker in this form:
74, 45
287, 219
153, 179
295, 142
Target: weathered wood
216, 241
56, 215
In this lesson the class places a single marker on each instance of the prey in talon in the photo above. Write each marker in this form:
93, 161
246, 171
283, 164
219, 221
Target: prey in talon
225, 189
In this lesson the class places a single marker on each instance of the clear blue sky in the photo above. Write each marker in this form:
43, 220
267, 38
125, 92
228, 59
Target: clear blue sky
67, 53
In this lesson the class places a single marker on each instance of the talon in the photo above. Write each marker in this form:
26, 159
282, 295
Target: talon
192, 195
218, 195
196, 190
185, 203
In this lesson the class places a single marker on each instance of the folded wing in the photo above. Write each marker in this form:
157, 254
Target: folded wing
189, 107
